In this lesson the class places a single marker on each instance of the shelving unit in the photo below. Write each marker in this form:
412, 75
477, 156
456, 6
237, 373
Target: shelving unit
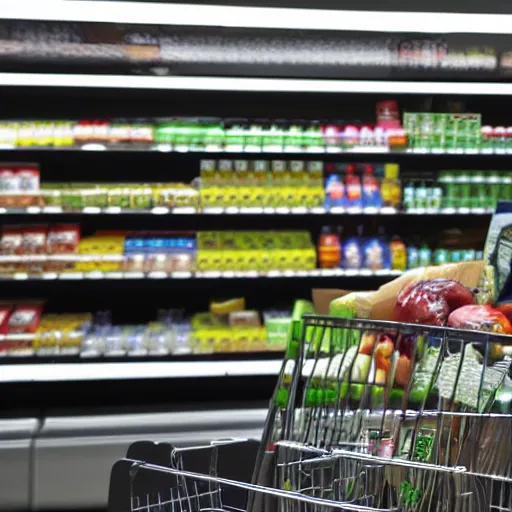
129, 73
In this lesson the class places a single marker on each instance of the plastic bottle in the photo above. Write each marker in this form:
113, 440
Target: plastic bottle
353, 188
413, 255
351, 253
408, 197
334, 191
371, 191
376, 252
329, 249
398, 252
390, 190
425, 255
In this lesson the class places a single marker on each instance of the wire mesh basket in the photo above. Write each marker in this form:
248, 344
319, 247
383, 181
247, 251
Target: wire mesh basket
388, 399
341, 365
154, 488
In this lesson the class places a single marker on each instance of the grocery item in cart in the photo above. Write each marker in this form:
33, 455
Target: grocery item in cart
481, 318
430, 302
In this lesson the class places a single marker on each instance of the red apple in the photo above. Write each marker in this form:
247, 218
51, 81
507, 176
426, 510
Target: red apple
430, 302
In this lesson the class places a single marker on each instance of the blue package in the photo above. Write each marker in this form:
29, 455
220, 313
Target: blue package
133, 245
376, 255
351, 254
334, 191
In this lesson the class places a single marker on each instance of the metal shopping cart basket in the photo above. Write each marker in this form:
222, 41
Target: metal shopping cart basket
403, 393
367, 415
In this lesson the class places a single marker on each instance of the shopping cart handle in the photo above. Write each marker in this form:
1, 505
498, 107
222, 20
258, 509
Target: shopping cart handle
228, 440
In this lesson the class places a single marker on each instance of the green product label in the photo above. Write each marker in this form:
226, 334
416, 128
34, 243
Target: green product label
439, 133
313, 137
254, 136
493, 190
423, 447
478, 191
235, 136
434, 198
165, 134
273, 137
183, 135
293, 136
409, 495
452, 132
214, 136
426, 131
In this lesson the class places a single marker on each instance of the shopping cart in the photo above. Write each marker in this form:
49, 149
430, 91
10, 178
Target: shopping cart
142, 486
366, 416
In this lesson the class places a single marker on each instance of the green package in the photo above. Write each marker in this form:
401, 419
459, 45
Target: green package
214, 135
254, 136
464, 191
439, 132
450, 196
235, 135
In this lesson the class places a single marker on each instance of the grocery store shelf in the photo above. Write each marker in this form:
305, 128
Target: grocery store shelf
235, 210
240, 151
139, 370
255, 17
213, 83
213, 274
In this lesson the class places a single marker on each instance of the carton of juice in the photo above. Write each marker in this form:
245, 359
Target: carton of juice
249, 249
284, 252
267, 244
280, 183
314, 192
305, 257
240, 190
260, 177
297, 189
209, 251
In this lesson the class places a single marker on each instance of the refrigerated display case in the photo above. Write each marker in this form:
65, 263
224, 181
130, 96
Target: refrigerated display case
160, 163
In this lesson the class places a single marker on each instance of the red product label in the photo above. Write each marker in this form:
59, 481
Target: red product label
63, 239
34, 240
24, 319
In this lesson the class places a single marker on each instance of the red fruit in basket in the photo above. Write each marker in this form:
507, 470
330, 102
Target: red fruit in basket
403, 371
430, 302
480, 318
506, 309
367, 343
385, 346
